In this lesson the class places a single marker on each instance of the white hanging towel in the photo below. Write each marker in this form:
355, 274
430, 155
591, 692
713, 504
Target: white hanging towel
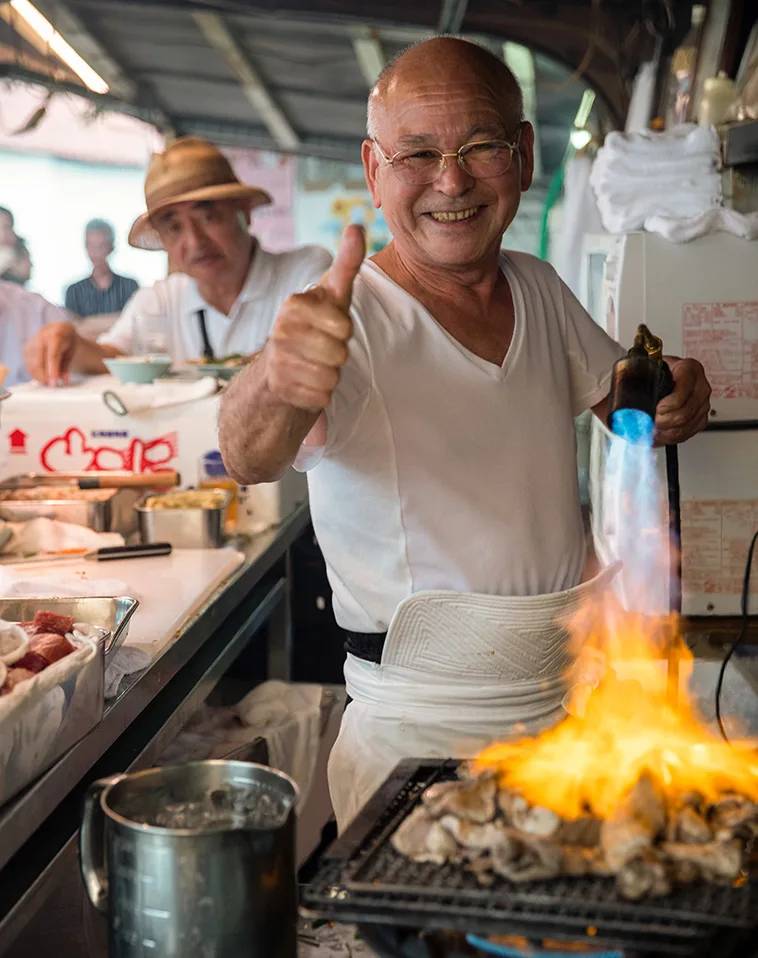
459, 671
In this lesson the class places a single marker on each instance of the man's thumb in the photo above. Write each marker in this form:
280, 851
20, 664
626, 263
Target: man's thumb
340, 276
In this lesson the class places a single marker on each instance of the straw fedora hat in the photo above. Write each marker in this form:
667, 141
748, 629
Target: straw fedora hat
190, 170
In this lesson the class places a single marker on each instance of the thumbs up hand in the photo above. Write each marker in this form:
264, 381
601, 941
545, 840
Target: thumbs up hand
308, 344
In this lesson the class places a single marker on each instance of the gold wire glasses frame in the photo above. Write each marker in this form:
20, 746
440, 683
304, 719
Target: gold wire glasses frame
481, 160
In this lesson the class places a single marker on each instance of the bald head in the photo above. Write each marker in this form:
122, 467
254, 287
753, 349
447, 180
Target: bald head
435, 61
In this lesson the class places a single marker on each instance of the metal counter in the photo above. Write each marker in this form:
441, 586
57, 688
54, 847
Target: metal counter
38, 830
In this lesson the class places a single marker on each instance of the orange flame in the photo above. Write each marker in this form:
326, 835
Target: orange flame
630, 725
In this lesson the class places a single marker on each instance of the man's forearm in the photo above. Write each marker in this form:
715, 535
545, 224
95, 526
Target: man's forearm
89, 355
259, 435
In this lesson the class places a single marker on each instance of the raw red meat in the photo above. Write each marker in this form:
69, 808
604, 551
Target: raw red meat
16, 675
53, 622
51, 646
32, 662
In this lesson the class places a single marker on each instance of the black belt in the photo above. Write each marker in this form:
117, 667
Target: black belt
365, 645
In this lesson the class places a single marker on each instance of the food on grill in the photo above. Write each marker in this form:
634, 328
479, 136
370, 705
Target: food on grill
189, 499
635, 824
423, 839
647, 875
717, 861
650, 844
473, 801
55, 494
52, 622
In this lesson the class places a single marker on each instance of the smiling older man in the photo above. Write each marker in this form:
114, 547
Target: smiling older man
431, 392
226, 291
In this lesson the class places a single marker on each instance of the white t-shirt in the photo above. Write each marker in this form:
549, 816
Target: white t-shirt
444, 471
170, 307
22, 315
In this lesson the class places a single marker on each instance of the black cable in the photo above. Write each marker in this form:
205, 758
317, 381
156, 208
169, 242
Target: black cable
740, 637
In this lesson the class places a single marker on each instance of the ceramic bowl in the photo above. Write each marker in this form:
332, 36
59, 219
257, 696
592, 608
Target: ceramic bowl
138, 369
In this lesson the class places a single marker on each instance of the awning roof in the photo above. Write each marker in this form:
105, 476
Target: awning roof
293, 76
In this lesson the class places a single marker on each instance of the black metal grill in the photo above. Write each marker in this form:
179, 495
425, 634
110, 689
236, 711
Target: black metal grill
363, 879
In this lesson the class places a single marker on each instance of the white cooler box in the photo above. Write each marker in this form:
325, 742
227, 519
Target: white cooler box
168, 425
71, 429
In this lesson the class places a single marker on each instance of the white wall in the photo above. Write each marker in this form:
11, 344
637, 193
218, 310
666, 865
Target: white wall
52, 199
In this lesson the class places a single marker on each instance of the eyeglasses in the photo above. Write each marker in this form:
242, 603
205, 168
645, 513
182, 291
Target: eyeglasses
481, 160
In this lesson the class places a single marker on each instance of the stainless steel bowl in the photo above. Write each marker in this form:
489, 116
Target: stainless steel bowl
184, 528
110, 615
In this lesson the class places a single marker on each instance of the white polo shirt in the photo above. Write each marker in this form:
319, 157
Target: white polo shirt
444, 471
22, 315
172, 304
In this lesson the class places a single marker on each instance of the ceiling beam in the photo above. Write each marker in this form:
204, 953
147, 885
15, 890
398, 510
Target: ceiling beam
73, 31
452, 15
235, 133
216, 32
369, 53
120, 86
520, 59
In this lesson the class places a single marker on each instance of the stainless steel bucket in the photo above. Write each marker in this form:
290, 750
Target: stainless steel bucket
223, 890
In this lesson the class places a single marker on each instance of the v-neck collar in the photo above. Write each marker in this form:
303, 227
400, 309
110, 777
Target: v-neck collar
491, 369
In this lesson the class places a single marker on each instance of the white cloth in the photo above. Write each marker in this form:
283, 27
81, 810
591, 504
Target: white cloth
142, 397
42, 535
718, 220
170, 307
443, 471
22, 315
127, 660
458, 672
644, 174
38, 583
288, 717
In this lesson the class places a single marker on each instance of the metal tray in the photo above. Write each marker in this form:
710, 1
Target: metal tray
183, 528
50, 722
110, 614
114, 514
362, 879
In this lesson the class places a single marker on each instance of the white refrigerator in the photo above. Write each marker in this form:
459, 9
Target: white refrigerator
701, 298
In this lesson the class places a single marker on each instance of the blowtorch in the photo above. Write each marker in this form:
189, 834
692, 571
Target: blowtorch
641, 379
638, 382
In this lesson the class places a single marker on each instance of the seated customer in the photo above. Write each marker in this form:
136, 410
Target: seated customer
22, 315
229, 290
19, 269
103, 291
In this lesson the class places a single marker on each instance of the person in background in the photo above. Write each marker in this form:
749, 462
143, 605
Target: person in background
103, 292
20, 269
22, 316
7, 232
227, 290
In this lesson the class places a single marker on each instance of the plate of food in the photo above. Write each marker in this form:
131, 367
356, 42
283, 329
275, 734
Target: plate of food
222, 367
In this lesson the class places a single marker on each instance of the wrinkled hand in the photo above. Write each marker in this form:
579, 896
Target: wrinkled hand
685, 411
48, 355
308, 344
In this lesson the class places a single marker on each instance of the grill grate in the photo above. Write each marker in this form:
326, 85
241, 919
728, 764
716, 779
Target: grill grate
363, 879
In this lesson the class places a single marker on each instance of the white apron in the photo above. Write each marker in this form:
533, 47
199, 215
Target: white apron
459, 671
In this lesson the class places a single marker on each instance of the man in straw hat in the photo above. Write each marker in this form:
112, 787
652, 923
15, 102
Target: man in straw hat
226, 291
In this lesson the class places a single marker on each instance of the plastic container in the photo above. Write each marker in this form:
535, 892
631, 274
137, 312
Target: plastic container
719, 93
212, 474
